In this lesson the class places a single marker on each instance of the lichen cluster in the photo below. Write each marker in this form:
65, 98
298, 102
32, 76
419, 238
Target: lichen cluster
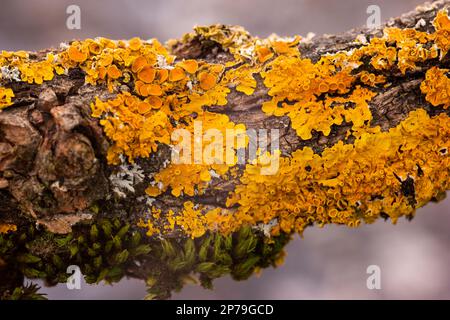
7, 227
437, 87
385, 174
381, 173
193, 221
6, 96
370, 173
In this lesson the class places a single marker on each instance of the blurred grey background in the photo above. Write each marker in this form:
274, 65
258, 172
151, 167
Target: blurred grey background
329, 263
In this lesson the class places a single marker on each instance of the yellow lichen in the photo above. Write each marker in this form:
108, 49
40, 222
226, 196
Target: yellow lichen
305, 91
191, 219
7, 227
347, 184
352, 183
191, 178
6, 96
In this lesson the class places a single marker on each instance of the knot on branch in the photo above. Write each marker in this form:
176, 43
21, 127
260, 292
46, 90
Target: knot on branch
50, 161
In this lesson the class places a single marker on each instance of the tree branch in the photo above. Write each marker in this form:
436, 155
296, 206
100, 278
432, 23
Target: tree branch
69, 198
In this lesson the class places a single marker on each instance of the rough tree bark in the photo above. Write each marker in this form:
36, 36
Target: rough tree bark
55, 186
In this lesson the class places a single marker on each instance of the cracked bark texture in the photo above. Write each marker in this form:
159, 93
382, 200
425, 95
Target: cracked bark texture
53, 153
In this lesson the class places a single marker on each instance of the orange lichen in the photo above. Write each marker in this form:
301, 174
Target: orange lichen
78, 54
147, 74
144, 107
176, 74
437, 87
190, 66
264, 54
113, 72
133, 125
207, 80
371, 79
135, 44
154, 90
442, 25
138, 64
411, 47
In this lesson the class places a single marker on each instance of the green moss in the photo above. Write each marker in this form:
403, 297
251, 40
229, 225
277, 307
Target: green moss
212, 256
106, 249
26, 292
